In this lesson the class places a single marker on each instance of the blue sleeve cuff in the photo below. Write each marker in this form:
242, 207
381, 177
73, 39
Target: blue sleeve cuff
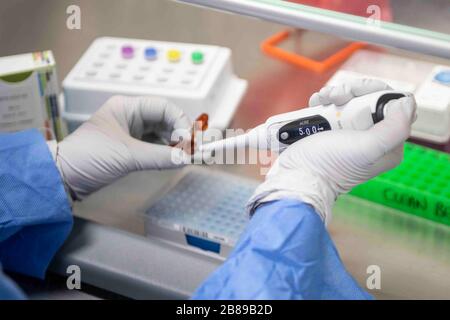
35, 215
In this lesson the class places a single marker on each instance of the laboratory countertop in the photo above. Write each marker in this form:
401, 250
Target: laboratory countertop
412, 253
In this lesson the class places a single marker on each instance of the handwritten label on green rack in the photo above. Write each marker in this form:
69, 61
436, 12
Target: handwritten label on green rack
420, 185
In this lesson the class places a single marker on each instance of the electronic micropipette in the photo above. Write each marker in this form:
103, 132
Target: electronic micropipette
280, 131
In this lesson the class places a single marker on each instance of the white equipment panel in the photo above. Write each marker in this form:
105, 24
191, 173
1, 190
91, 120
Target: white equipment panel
432, 97
433, 112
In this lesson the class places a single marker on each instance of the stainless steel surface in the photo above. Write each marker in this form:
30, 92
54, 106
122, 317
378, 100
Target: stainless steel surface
132, 266
337, 24
414, 260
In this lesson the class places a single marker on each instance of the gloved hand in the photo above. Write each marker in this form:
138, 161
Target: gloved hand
108, 146
317, 169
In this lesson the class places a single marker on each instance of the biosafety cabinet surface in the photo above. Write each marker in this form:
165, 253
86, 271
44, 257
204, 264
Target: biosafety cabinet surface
111, 244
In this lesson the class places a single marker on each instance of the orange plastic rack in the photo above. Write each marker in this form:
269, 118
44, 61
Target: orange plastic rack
269, 46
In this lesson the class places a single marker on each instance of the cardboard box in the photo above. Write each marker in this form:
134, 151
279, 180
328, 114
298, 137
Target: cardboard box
28, 94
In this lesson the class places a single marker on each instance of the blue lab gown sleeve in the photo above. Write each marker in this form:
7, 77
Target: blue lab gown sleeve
284, 253
35, 215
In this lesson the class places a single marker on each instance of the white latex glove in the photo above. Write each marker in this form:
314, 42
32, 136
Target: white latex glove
317, 169
108, 146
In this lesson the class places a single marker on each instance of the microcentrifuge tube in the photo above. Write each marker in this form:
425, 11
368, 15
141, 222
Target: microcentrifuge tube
200, 124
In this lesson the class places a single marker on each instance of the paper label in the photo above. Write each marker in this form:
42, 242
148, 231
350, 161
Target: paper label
16, 108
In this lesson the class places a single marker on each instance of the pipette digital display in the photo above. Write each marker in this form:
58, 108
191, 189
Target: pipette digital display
301, 128
280, 131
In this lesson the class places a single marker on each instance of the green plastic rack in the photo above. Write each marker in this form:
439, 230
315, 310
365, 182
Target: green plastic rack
420, 185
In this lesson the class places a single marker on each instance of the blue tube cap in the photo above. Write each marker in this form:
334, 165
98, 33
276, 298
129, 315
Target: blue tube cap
151, 53
443, 77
